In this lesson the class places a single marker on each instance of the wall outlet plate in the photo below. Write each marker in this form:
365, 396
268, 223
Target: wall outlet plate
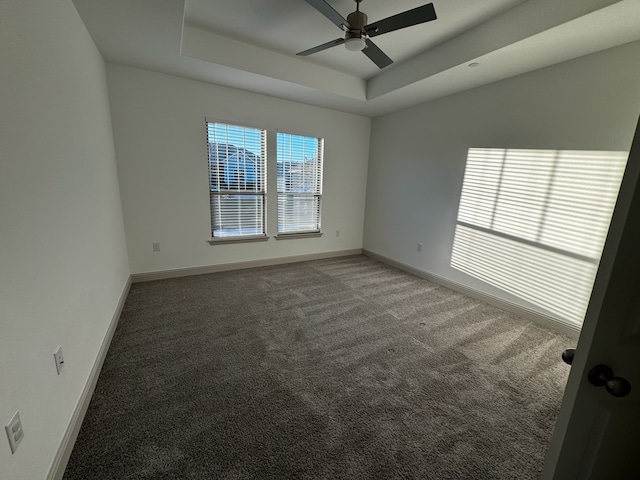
15, 434
156, 246
59, 359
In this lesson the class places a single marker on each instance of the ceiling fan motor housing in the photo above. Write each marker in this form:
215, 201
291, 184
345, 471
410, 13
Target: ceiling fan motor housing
357, 20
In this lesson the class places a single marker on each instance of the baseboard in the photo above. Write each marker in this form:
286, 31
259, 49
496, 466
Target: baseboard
225, 267
69, 439
544, 320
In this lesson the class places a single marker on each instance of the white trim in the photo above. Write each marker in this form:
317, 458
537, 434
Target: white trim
238, 239
298, 133
568, 329
73, 428
225, 267
293, 235
234, 123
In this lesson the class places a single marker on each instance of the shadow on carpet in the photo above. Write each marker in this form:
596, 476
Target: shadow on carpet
343, 368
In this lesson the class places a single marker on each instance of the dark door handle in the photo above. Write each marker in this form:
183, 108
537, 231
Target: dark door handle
567, 355
602, 375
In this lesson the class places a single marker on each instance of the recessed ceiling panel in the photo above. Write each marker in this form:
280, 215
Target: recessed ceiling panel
251, 44
291, 26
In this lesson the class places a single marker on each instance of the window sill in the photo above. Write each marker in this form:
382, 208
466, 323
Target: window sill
291, 236
224, 240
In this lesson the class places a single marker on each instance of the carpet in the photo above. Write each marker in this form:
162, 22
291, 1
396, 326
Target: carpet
343, 368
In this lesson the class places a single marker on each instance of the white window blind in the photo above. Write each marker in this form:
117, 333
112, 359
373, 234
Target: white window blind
299, 172
534, 222
237, 180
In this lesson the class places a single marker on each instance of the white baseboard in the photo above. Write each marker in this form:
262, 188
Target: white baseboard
225, 267
568, 329
69, 439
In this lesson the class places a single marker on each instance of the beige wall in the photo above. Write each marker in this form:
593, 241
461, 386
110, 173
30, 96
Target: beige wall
418, 155
162, 163
63, 259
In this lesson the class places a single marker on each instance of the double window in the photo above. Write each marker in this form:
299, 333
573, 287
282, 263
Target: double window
237, 163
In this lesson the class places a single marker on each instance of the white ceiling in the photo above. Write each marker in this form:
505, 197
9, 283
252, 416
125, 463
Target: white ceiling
290, 27
251, 44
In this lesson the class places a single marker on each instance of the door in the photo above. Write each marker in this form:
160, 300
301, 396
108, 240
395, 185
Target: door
597, 435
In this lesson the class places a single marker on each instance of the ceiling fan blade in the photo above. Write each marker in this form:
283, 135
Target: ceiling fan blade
329, 12
422, 14
324, 46
376, 55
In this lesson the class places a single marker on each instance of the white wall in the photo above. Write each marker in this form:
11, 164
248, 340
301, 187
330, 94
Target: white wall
161, 148
418, 155
63, 260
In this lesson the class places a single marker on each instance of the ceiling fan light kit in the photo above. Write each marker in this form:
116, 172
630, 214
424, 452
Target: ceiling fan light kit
355, 44
358, 33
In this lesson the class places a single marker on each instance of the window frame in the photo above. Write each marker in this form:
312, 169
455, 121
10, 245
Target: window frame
260, 193
317, 193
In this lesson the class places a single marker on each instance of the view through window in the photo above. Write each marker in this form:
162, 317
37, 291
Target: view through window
237, 186
533, 222
299, 172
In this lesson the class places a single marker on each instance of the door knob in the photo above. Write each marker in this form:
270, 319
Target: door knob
602, 375
567, 355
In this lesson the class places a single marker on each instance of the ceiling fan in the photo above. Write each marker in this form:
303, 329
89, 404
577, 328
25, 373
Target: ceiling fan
358, 33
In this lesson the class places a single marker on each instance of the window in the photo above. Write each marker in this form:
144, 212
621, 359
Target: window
237, 186
534, 222
299, 172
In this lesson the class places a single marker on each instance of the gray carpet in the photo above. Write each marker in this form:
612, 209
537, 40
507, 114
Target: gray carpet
343, 368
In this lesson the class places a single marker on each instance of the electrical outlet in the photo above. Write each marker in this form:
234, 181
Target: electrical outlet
337, 233
156, 247
15, 434
419, 247
59, 359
